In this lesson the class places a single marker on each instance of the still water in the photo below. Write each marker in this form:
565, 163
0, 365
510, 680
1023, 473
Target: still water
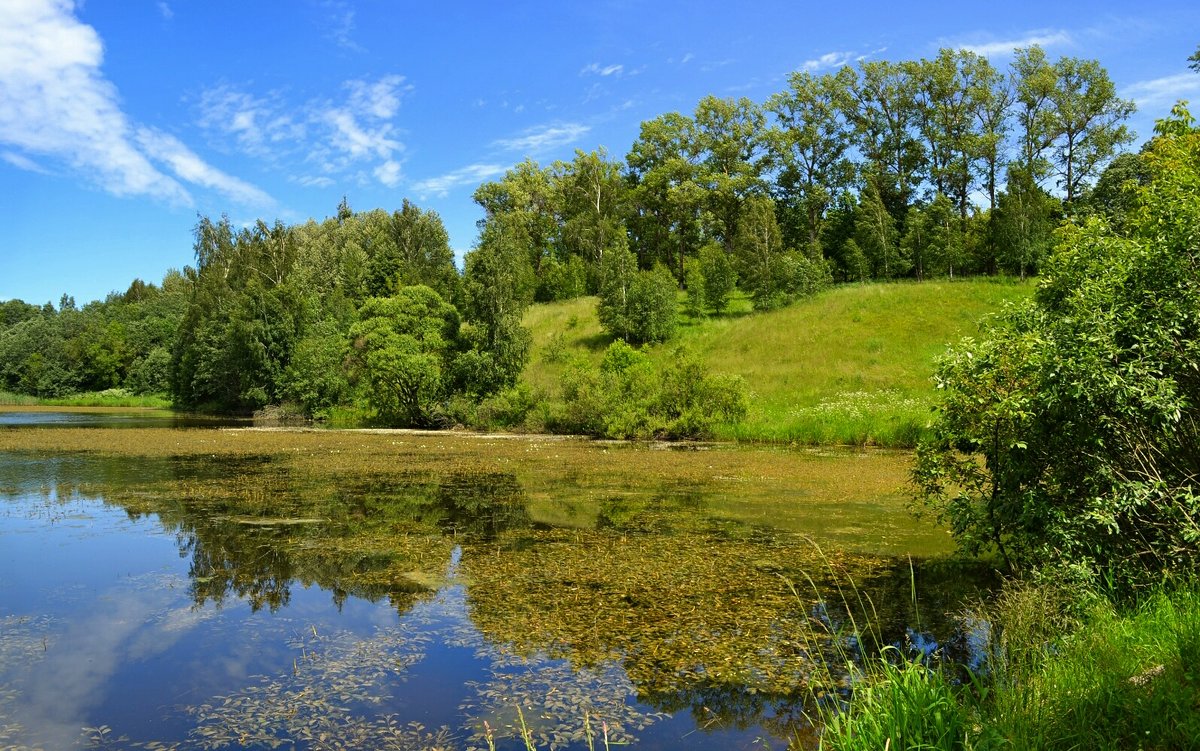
205, 588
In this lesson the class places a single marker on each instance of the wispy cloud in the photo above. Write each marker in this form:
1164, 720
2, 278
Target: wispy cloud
472, 174
260, 126
687, 59
55, 102
187, 166
827, 61
341, 24
354, 137
166, 11
599, 70
20, 161
544, 137
1002, 48
1160, 93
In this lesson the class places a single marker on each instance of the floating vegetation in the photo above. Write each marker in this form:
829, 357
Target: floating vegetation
325, 701
602, 588
554, 705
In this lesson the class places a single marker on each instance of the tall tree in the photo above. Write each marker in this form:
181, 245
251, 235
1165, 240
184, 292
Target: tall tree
667, 194
884, 124
594, 203
728, 138
876, 232
809, 150
1088, 123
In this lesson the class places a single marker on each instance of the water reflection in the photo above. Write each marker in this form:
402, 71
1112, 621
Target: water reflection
645, 609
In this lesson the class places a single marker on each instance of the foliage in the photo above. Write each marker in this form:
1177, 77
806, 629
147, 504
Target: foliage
630, 397
1070, 435
401, 350
1064, 670
718, 277
636, 306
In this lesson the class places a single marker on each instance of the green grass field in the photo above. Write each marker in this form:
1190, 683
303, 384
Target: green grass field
852, 365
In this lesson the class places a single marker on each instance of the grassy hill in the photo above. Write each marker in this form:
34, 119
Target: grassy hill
850, 365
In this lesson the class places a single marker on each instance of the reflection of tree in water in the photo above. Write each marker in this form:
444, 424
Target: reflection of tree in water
481, 505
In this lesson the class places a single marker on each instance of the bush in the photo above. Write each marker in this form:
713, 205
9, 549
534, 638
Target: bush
628, 396
1071, 436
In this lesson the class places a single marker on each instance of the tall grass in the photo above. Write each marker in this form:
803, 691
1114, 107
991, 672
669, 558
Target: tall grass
851, 365
1110, 678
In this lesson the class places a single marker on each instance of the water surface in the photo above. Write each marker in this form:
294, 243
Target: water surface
168, 588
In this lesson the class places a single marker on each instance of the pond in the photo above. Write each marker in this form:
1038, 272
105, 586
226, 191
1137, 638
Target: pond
238, 588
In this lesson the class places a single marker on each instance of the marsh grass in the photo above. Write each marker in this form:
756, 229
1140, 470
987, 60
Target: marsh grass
1063, 672
852, 365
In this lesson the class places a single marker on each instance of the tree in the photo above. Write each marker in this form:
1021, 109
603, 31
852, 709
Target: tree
528, 201
499, 283
1026, 216
594, 202
883, 119
667, 195
1088, 123
809, 149
400, 352
728, 139
955, 102
1070, 436
876, 233
616, 283
718, 277
758, 249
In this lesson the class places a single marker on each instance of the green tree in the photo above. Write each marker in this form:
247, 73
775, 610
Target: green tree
1089, 123
718, 277
728, 139
809, 150
758, 249
667, 195
1026, 216
1069, 437
500, 285
400, 353
877, 235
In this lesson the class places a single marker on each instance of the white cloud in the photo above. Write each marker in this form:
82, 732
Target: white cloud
1161, 93
687, 59
380, 99
20, 161
339, 137
827, 61
1041, 38
310, 181
55, 102
597, 69
166, 11
388, 173
169, 150
341, 25
260, 126
472, 174
544, 137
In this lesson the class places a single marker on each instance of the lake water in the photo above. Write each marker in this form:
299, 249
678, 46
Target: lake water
204, 588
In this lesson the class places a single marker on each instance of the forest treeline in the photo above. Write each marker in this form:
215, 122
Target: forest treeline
913, 169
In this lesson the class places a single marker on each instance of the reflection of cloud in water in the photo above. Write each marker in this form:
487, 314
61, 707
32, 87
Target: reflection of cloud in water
60, 684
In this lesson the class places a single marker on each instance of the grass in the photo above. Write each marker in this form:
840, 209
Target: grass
1116, 678
107, 398
852, 365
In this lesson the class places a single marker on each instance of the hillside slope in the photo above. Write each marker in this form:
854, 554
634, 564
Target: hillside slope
850, 365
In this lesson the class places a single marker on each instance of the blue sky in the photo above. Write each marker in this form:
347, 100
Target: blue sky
121, 120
